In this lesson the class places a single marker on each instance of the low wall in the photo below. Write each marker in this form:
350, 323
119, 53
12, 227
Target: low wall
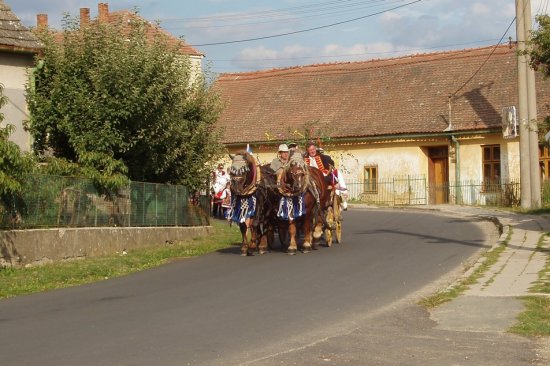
40, 246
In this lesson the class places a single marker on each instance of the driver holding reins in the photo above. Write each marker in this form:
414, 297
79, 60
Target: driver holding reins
315, 158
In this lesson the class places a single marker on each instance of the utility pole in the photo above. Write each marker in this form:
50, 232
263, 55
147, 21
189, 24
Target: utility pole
532, 112
528, 136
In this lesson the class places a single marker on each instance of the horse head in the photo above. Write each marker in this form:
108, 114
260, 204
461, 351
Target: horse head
242, 173
296, 173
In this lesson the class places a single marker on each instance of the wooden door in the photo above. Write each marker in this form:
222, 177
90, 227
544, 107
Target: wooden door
441, 181
438, 174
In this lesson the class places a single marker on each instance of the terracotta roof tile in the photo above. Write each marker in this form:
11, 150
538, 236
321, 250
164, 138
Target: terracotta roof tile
405, 95
13, 35
125, 16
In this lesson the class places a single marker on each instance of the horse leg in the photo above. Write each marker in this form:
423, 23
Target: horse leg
252, 234
283, 230
318, 230
306, 248
293, 247
244, 244
263, 240
270, 236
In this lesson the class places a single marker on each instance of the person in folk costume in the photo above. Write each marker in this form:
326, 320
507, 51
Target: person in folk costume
315, 157
292, 146
226, 200
219, 181
281, 159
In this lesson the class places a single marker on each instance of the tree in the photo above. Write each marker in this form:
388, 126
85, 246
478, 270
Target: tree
119, 101
539, 51
13, 163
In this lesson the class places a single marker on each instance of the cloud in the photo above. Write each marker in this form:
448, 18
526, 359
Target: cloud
359, 51
390, 16
480, 9
468, 23
262, 57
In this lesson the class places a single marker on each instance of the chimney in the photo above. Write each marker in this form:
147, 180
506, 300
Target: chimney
41, 21
84, 17
103, 9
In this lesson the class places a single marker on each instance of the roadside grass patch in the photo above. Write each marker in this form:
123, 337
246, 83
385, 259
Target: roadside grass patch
542, 285
535, 320
21, 281
489, 258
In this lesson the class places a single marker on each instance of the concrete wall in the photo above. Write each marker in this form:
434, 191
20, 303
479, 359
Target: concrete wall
13, 75
34, 247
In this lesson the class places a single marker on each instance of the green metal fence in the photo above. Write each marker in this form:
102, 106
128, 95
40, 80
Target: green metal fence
415, 190
54, 201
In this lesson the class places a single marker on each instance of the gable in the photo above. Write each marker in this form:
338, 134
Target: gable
13, 35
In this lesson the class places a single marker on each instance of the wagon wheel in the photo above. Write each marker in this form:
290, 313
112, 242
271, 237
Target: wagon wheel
329, 228
337, 218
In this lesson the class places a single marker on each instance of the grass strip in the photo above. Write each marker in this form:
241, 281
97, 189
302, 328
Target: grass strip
542, 285
21, 281
535, 320
490, 258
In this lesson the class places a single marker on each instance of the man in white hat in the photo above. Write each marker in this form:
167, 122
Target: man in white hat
281, 159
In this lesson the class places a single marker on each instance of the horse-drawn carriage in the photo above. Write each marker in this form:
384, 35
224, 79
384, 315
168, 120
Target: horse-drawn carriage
296, 199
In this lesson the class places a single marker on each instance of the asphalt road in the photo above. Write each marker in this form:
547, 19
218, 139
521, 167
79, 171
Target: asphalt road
224, 309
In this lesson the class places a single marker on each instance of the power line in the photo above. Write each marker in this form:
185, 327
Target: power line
278, 18
270, 13
356, 54
485, 61
306, 30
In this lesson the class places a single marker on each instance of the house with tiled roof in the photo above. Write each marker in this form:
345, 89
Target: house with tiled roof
18, 47
412, 116
125, 17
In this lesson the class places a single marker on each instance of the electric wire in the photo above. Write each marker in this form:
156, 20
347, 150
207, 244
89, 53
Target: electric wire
308, 29
358, 54
484, 62
278, 18
269, 13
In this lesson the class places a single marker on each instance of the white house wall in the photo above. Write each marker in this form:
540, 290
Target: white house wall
13, 76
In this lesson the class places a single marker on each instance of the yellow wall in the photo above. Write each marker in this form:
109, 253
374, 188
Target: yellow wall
411, 157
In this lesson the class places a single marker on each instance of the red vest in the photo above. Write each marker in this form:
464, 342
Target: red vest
319, 163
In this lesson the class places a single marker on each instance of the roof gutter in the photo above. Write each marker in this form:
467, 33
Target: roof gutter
449, 135
15, 49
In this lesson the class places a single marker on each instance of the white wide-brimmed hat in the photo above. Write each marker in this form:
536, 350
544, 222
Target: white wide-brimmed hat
283, 148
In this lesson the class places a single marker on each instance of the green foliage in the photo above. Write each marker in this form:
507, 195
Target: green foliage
311, 131
539, 52
13, 163
121, 102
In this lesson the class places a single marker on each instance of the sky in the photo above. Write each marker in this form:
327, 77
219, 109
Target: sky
250, 35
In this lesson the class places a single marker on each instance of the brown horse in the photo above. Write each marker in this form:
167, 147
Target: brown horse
253, 198
303, 188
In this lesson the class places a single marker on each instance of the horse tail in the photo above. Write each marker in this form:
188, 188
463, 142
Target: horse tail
315, 192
